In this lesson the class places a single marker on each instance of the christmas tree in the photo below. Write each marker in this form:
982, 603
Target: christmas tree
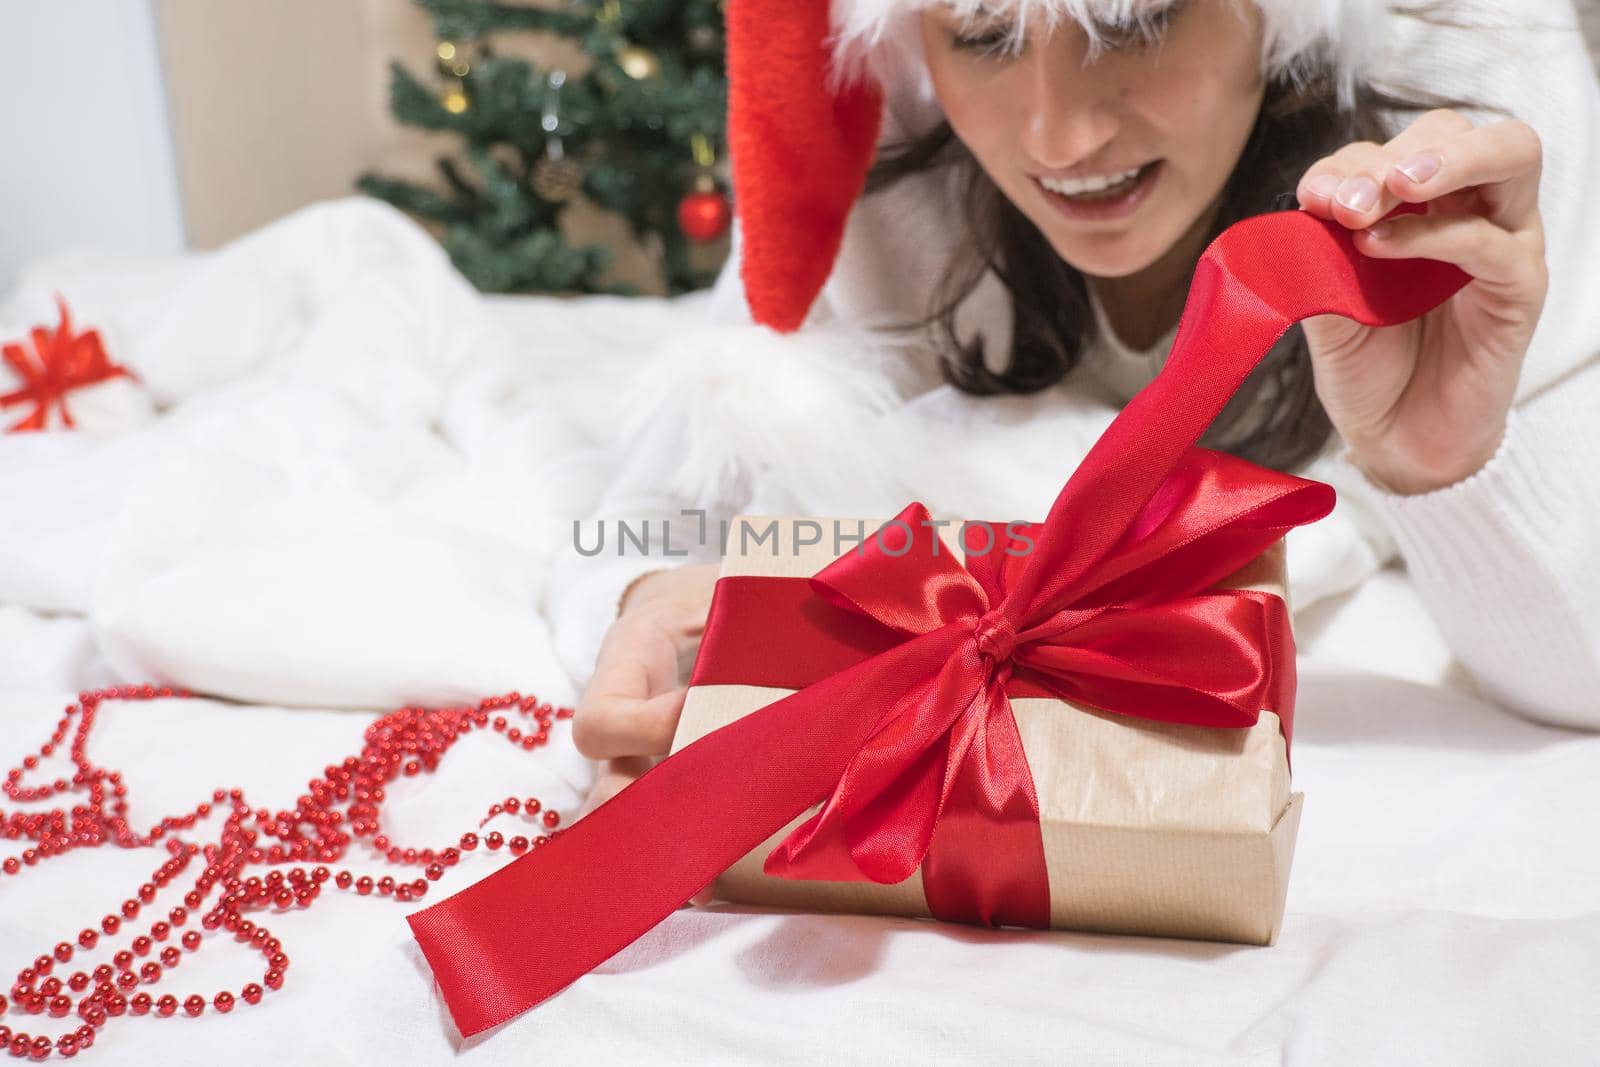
640, 132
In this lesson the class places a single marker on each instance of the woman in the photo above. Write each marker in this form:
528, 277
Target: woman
1094, 150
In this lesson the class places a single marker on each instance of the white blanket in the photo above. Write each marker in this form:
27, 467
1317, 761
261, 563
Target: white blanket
342, 484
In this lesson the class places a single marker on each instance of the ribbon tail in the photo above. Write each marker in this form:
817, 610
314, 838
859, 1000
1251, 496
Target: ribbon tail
986, 864
544, 920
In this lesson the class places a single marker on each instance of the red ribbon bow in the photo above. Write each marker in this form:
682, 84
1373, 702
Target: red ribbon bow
942, 782
62, 361
907, 743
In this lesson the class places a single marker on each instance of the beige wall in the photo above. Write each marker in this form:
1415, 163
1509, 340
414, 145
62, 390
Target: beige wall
278, 104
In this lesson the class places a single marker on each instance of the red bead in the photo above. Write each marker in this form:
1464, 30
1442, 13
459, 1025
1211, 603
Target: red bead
493, 840
110, 924
140, 1004
552, 818
251, 993
519, 845
434, 871
87, 938
167, 1005
273, 979
223, 1001
41, 1048
469, 842
64, 951
170, 956
194, 1005
60, 1007
67, 1045
150, 972
364, 885
191, 939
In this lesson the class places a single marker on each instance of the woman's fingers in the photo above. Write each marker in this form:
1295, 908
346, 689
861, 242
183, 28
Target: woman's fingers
1436, 160
1490, 254
615, 776
633, 701
1349, 185
1501, 161
610, 725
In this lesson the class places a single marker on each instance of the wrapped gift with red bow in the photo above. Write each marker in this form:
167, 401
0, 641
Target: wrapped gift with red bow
1092, 731
1120, 765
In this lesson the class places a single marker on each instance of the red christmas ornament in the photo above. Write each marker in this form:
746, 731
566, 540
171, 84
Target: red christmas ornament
704, 215
340, 807
61, 361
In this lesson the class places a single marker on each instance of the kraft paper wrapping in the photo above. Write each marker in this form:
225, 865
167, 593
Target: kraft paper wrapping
1152, 828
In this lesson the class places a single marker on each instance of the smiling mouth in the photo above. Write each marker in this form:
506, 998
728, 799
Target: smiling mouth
1102, 187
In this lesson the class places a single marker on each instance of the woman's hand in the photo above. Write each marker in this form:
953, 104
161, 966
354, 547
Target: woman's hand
629, 712
1423, 405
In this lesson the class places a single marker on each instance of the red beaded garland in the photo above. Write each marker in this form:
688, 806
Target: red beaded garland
339, 807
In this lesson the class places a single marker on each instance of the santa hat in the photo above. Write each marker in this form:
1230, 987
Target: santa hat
809, 81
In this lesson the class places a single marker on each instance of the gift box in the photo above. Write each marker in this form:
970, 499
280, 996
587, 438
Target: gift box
1148, 827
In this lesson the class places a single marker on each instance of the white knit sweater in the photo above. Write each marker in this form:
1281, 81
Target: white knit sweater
1507, 561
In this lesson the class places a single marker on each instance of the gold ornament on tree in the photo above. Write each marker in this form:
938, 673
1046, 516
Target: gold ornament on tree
453, 64
557, 177
638, 63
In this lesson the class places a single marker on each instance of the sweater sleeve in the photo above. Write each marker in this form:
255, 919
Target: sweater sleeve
1506, 560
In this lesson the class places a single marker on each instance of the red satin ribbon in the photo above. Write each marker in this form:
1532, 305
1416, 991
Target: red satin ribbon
62, 361
1111, 563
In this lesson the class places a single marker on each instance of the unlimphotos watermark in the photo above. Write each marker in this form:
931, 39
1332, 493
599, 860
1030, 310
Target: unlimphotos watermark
747, 536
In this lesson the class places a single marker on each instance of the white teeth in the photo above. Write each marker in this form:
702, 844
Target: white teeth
1084, 186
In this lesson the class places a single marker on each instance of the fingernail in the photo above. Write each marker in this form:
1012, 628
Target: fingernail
1359, 193
1378, 230
1420, 167
1323, 186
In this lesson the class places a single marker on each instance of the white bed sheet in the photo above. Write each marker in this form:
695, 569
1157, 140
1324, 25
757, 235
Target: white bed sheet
1445, 901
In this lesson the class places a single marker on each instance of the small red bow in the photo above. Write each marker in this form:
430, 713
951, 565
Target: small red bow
62, 361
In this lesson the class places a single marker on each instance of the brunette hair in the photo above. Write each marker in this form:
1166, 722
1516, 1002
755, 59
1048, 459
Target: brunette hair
1276, 418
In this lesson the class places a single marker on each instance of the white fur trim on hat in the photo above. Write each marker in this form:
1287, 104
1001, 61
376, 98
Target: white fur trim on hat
742, 403
881, 38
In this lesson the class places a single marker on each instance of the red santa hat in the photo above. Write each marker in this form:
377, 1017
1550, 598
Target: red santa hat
808, 81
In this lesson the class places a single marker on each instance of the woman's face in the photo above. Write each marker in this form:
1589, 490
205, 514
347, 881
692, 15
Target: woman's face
1164, 116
